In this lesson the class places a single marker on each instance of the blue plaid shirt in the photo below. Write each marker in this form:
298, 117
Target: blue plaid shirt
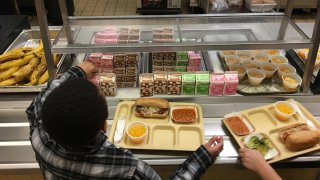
101, 159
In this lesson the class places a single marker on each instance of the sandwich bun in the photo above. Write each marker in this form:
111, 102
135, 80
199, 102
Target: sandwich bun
152, 102
284, 133
156, 116
302, 140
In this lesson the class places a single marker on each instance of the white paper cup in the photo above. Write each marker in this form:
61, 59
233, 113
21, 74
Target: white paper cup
244, 55
255, 76
261, 58
268, 68
285, 68
272, 52
232, 60
280, 113
250, 64
241, 69
137, 139
276, 60
225, 53
291, 81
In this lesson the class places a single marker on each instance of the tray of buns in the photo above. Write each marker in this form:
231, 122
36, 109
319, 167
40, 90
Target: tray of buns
279, 131
270, 65
303, 55
156, 124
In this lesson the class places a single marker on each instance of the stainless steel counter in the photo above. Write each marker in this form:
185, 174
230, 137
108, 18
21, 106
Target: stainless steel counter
16, 151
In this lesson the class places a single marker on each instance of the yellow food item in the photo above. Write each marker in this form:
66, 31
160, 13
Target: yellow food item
8, 73
232, 61
44, 77
11, 56
240, 70
27, 69
256, 75
229, 52
272, 52
278, 60
137, 130
291, 80
11, 81
267, 68
16, 63
35, 76
285, 70
284, 108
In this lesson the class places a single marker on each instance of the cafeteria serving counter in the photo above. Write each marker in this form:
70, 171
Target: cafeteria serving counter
16, 151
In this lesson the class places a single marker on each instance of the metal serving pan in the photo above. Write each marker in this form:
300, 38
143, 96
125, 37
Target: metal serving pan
30, 38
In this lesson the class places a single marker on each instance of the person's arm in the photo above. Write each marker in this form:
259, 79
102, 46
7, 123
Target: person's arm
84, 70
254, 161
195, 166
192, 168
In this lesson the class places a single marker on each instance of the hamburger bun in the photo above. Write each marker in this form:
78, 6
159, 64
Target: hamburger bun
302, 140
152, 108
152, 102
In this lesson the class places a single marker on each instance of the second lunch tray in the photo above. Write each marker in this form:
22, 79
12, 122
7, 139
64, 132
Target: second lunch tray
164, 134
263, 120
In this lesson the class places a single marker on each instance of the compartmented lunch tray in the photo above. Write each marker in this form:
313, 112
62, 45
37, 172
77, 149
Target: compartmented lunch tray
263, 120
164, 134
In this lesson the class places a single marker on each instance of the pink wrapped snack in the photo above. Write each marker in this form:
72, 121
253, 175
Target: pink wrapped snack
193, 68
102, 35
216, 84
231, 82
112, 36
99, 41
194, 60
111, 41
110, 30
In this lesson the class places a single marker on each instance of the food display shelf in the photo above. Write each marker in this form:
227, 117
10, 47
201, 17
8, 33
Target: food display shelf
266, 27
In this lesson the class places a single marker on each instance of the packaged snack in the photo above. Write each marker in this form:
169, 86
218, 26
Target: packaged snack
146, 84
160, 83
216, 84
202, 83
119, 70
108, 85
194, 59
188, 83
231, 82
174, 83
182, 55
181, 68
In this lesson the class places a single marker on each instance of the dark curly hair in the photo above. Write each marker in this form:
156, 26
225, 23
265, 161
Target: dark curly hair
74, 113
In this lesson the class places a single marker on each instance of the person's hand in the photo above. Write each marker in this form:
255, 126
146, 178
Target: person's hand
214, 146
88, 67
252, 159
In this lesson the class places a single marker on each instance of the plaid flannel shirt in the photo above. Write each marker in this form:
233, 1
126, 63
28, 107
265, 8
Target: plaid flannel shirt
100, 160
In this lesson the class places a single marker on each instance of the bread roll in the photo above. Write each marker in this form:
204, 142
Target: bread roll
152, 102
302, 140
284, 133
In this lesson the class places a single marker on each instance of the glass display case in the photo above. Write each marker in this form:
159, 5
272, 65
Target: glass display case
190, 32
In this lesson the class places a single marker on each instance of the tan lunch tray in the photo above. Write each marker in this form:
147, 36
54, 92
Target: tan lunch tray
263, 120
164, 134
